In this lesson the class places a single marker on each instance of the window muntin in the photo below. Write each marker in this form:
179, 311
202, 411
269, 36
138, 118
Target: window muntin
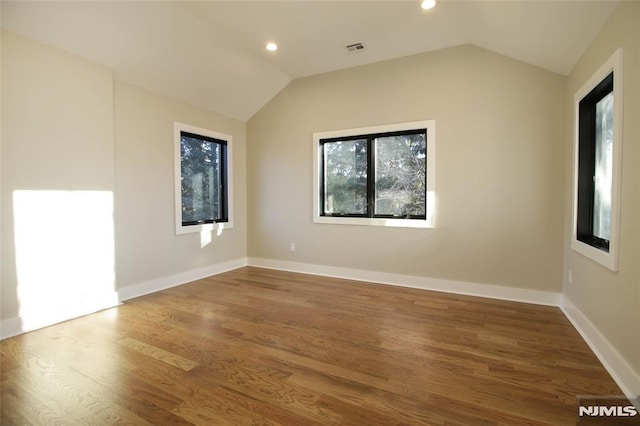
376, 175
202, 179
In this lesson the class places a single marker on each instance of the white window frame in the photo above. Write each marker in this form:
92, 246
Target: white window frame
607, 259
207, 227
428, 222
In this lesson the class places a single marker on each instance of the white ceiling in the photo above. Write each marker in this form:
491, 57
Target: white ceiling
211, 53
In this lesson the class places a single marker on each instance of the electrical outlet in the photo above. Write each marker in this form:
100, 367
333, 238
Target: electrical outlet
292, 246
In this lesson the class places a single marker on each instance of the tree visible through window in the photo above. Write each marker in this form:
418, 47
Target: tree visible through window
378, 175
346, 177
202, 179
400, 181
595, 165
603, 167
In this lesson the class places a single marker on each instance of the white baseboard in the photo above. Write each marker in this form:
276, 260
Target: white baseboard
14, 326
40, 318
164, 283
621, 372
425, 283
617, 366
11, 327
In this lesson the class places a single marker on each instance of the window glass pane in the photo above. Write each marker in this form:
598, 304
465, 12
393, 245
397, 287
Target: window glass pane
400, 182
200, 180
603, 167
345, 177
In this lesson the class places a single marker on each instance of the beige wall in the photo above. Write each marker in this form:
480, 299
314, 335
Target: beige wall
611, 300
57, 140
146, 245
499, 166
94, 148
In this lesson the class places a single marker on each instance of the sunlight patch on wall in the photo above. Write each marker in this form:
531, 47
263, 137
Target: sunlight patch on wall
65, 261
207, 232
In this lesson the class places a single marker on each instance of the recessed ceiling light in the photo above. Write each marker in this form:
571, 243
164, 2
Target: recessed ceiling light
428, 4
272, 47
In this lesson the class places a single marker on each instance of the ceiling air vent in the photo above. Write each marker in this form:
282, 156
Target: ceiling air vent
355, 47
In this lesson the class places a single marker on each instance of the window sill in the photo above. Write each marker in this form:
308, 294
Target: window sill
205, 227
608, 260
391, 223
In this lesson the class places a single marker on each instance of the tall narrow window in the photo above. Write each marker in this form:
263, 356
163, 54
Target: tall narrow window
597, 162
603, 168
202, 178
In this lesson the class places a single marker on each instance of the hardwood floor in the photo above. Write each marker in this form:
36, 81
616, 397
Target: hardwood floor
256, 346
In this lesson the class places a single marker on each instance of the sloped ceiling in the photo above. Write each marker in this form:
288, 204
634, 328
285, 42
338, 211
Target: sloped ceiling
211, 53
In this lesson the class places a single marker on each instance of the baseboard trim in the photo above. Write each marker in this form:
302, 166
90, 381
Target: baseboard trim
425, 283
614, 363
163, 283
19, 325
15, 326
11, 327
621, 372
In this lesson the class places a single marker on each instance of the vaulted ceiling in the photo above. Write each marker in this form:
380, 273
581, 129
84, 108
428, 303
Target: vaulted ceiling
211, 53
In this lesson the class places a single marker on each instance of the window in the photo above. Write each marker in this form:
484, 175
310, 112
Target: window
597, 164
381, 175
202, 179
595, 160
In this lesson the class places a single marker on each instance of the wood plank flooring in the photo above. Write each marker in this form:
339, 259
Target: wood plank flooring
256, 346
